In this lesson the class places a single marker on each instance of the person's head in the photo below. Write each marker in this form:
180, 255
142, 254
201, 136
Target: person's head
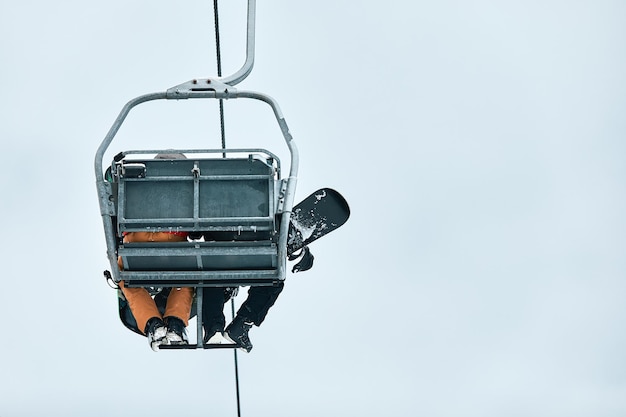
172, 155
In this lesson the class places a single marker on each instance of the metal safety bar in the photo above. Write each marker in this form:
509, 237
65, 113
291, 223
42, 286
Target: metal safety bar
188, 91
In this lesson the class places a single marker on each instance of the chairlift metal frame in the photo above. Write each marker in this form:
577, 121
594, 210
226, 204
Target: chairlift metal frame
138, 173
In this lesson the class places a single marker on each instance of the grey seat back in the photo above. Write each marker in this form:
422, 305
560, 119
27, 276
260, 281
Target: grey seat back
231, 203
196, 195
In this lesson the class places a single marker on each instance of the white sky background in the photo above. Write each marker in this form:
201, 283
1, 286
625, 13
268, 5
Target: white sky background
479, 143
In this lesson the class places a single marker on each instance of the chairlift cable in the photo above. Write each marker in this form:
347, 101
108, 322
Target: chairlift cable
223, 134
218, 51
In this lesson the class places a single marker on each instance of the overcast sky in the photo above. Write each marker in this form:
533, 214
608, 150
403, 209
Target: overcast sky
480, 145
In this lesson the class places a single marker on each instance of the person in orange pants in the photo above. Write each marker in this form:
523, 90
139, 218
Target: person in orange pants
170, 327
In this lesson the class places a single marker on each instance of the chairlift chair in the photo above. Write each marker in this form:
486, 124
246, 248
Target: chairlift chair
235, 199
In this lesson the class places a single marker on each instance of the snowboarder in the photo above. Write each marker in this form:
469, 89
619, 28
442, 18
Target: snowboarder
168, 328
252, 312
319, 214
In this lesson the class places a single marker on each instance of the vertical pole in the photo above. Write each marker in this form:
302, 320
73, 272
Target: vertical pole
199, 294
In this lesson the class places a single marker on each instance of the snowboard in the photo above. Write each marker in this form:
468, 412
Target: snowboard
317, 215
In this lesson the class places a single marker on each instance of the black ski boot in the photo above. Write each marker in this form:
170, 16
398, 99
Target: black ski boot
176, 331
211, 330
237, 332
156, 332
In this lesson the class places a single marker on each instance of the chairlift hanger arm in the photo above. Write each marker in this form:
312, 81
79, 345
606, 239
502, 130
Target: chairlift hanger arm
245, 70
204, 88
218, 89
189, 91
195, 89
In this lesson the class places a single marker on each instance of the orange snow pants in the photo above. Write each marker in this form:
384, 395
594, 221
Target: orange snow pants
139, 300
